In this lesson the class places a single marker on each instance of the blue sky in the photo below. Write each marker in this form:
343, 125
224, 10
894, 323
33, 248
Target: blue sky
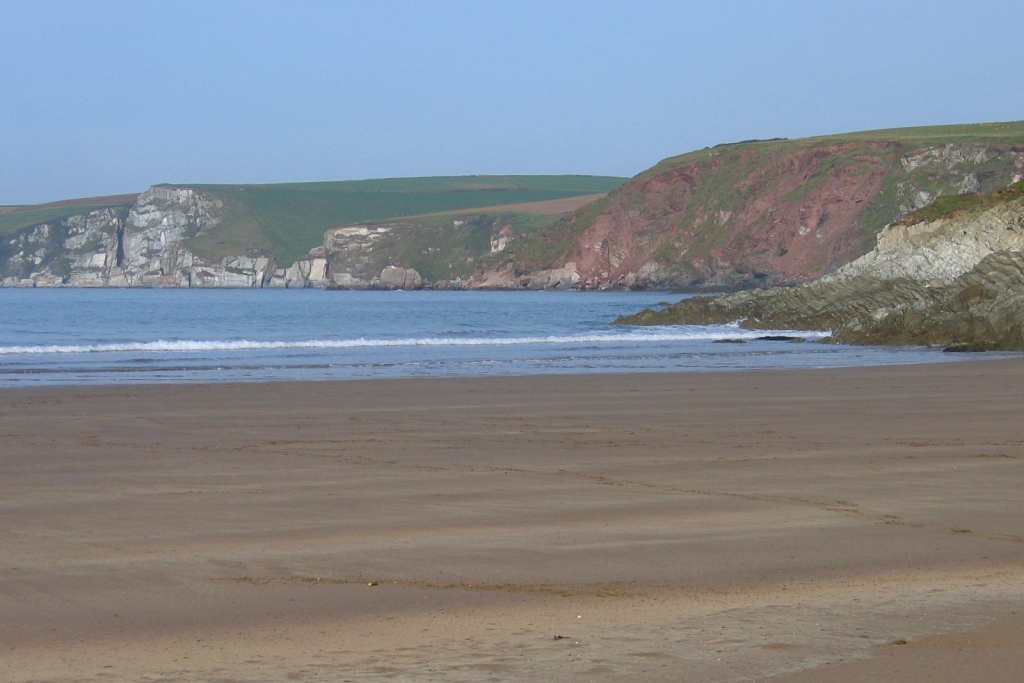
109, 97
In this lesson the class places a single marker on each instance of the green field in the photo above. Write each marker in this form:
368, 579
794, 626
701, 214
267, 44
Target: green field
291, 218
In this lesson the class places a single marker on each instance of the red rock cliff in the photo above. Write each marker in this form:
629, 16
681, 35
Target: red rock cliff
762, 213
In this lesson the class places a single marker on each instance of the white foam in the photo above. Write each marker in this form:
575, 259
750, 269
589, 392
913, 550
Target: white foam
192, 346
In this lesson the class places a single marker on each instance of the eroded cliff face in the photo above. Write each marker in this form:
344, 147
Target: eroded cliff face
764, 234
79, 250
147, 245
142, 245
956, 281
940, 250
761, 214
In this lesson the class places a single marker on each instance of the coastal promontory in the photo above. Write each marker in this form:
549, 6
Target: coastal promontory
949, 275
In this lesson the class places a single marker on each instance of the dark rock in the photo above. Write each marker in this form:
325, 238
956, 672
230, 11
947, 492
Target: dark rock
967, 348
982, 308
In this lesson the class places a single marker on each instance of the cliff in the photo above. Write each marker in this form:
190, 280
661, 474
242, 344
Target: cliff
140, 245
763, 212
956, 280
734, 216
245, 236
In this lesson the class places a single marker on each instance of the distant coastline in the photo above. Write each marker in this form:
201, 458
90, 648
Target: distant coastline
748, 215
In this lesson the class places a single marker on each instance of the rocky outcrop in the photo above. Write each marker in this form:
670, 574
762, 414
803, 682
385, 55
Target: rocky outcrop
956, 281
356, 256
942, 249
152, 247
366, 256
396, 277
565, 277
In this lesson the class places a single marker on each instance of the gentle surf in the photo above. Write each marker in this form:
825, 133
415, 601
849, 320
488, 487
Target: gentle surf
155, 336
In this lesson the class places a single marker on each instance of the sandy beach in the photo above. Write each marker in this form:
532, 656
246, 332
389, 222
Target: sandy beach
797, 526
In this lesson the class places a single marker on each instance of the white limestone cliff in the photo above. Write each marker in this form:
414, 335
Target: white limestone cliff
145, 247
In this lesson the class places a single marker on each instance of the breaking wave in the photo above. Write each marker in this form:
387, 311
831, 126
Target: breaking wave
191, 346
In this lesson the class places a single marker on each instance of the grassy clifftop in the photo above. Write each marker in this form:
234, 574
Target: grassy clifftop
918, 136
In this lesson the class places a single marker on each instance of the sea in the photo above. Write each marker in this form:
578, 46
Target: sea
116, 336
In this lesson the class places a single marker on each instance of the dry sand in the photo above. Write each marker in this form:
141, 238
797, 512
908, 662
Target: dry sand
658, 527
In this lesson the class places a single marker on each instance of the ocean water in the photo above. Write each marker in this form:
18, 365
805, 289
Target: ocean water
111, 336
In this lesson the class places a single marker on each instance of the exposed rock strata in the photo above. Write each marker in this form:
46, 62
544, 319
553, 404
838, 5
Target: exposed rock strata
942, 249
954, 282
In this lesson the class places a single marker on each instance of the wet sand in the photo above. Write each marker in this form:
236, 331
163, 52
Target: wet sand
805, 525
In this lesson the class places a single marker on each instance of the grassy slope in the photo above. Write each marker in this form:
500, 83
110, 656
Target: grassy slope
289, 219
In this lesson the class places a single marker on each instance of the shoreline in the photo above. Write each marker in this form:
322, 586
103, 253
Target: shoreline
943, 359
940, 360
671, 526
